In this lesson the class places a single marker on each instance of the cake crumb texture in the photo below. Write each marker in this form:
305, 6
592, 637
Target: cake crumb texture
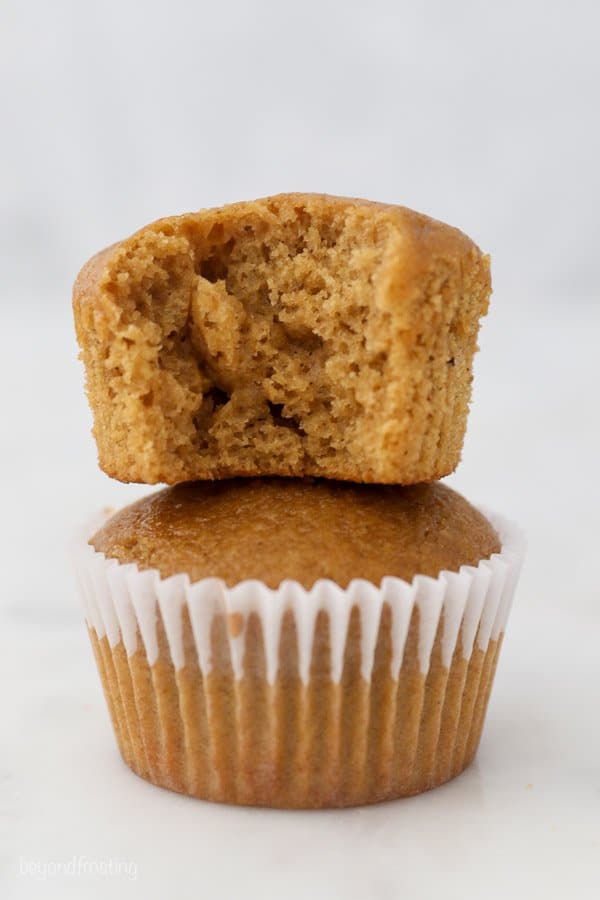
296, 335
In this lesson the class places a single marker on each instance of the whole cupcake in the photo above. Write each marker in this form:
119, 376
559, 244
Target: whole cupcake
295, 643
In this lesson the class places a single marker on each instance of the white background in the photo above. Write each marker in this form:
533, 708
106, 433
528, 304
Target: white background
483, 115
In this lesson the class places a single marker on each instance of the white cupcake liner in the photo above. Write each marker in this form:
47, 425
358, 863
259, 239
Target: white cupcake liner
124, 603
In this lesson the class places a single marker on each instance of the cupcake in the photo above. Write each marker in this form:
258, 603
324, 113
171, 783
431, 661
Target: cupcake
298, 643
297, 335
282, 641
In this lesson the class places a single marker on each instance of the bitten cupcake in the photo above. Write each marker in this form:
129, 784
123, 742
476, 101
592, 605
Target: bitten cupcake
296, 335
302, 644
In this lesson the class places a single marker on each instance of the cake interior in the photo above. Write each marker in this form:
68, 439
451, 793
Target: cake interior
254, 341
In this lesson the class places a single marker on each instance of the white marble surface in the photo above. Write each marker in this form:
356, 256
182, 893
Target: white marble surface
485, 116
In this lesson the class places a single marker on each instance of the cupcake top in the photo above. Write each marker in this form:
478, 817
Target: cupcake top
276, 529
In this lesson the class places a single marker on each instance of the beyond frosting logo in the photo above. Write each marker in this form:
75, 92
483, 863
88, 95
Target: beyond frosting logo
78, 867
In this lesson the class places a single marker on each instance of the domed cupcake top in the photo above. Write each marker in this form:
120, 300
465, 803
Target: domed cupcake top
276, 529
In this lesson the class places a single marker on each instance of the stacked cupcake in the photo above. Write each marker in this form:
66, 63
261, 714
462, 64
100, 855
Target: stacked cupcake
304, 617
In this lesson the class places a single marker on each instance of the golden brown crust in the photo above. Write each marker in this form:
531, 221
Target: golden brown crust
273, 529
385, 401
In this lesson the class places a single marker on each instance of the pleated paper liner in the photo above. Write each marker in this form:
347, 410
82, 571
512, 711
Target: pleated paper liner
295, 698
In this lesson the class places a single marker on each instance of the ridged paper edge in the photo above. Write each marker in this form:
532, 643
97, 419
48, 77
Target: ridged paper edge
124, 603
